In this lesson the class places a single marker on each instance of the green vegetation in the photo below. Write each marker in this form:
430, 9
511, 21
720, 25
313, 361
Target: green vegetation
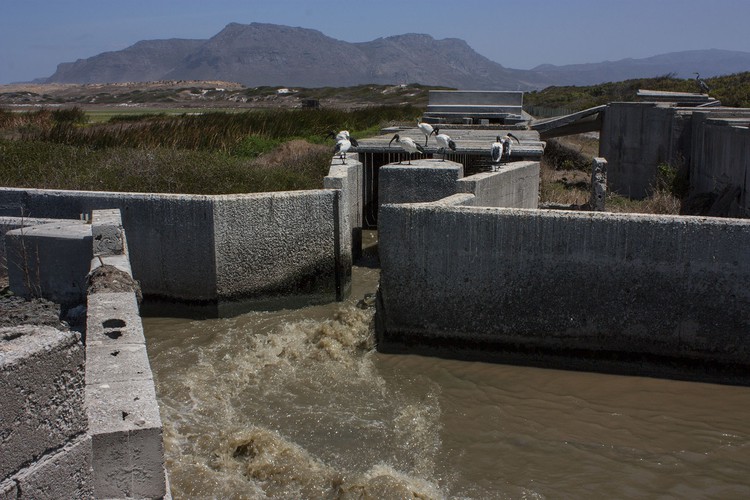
731, 90
211, 153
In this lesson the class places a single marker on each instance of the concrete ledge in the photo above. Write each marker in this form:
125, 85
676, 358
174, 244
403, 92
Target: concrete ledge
41, 389
8, 224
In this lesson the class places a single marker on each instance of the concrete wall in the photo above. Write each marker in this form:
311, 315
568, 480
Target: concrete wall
635, 138
8, 224
720, 159
515, 185
229, 252
585, 289
46, 452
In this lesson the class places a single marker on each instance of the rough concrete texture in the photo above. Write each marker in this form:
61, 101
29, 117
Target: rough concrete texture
214, 249
128, 455
423, 180
515, 185
635, 138
348, 180
170, 237
8, 224
65, 473
113, 320
577, 285
50, 260
276, 245
41, 389
720, 159
107, 232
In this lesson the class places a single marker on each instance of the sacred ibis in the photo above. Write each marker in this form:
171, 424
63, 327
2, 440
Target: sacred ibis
408, 144
701, 84
444, 141
501, 147
343, 134
342, 146
426, 129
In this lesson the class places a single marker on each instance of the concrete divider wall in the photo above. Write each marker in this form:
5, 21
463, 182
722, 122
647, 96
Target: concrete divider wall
423, 180
528, 284
230, 251
635, 138
515, 185
123, 414
721, 159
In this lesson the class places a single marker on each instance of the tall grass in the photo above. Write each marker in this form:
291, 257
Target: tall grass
213, 153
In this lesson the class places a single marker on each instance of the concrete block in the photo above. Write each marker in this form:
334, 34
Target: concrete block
41, 389
121, 363
10, 223
113, 320
107, 232
50, 260
423, 180
64, 473
128, 456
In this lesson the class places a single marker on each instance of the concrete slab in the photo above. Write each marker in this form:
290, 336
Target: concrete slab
107, 232
41, 390
50, 260
113, 320
126, 430
514, 185
65, 473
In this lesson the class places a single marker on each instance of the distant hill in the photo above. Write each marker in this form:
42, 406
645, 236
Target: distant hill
269, 54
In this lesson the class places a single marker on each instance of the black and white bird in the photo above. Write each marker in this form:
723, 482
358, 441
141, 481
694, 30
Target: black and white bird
408, 144
444, 141
426, 129
343, 134
500, 148
701, 84
341, 148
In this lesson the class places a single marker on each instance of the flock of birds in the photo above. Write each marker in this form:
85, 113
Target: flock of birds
499, 149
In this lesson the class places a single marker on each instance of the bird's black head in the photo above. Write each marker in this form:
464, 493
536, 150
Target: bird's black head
395, 138
331, 133
435, 131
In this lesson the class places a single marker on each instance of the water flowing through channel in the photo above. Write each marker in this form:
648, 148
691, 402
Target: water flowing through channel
297, 404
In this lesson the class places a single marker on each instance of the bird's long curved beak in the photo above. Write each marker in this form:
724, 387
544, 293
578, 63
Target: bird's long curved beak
392, 139
514, 137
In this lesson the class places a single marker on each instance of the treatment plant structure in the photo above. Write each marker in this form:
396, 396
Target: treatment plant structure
470, 268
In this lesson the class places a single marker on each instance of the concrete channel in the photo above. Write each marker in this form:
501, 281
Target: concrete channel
470, 268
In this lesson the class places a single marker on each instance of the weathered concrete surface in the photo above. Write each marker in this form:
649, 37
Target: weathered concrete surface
65, 473
423, 180
635, 138
107, 233
583, 288
8, 224
515, 185
41, 389
276, 245
347, 179
720, 158
50, 261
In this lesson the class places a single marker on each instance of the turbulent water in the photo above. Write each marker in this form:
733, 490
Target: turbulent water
297, 404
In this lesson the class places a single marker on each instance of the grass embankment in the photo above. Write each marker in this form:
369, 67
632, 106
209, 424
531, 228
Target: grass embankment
211, 153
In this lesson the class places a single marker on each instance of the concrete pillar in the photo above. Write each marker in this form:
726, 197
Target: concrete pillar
598, 184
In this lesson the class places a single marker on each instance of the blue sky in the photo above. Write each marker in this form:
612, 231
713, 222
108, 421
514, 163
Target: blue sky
36, 35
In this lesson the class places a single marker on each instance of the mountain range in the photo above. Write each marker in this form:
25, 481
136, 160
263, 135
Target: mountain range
275, 55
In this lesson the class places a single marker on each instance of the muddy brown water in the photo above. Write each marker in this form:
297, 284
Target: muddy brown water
296, 404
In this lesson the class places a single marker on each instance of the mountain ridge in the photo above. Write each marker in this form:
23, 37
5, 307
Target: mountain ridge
259, 54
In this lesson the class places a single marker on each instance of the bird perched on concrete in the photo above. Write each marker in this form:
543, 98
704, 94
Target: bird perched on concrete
408, 144
343, 134
426, 129
701, 84
501, 147
341, 148
444, 141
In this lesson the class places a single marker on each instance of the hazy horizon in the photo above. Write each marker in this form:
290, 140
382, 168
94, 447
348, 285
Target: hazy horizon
37, 35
